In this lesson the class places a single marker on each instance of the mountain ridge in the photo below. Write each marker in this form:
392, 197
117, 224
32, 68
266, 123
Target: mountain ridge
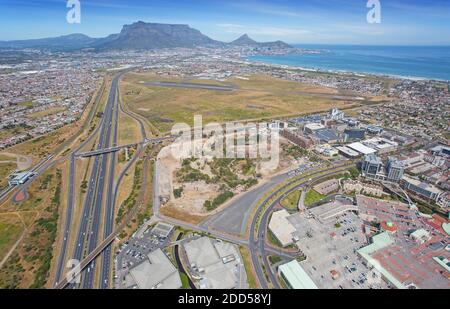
138, 36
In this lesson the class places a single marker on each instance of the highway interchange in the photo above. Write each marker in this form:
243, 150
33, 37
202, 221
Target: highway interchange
87, 248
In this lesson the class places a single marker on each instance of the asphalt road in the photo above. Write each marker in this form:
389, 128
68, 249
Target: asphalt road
91, 218
191, 86
233, 219
106, 260
257, 244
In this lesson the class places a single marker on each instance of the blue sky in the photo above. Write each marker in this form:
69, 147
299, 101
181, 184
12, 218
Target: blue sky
405, 22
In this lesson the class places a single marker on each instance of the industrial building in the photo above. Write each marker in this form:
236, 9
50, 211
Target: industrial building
296, 277
311, 128
381, 145
18, 179
374, 129
362, 149
280, 226
441, 150
326, 136
216, 264
348, 152
156, 272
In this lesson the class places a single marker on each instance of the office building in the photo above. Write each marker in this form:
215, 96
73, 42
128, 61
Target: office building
372, 166
354, 135
394, 170
423, 189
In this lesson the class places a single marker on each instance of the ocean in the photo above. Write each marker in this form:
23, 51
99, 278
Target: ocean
421, 62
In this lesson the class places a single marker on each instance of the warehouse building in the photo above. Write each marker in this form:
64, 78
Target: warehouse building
362, 149
18, 179
281, 227
296, 277
156, 272
216, 264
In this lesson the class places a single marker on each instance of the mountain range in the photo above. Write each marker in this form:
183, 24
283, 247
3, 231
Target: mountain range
139, 36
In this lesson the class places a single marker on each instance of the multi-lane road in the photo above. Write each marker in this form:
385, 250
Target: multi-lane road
88, 231
257, 242
99, 208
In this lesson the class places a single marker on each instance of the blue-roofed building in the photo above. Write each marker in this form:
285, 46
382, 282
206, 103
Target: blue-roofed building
354, 135
327, 136
308, 119
374, 129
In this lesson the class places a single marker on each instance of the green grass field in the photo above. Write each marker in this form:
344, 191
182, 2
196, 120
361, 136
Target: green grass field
290, 202
313, 197
184, 281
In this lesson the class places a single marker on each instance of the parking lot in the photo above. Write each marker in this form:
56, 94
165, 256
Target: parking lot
332, 261
135, 251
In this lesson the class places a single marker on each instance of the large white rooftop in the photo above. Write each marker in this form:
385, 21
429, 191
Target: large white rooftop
361, 148
281, 227
157, 272
296, 276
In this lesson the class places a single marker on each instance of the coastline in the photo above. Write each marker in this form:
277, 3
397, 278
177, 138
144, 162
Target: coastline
336, 71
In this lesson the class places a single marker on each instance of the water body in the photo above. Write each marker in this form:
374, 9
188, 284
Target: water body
426, 62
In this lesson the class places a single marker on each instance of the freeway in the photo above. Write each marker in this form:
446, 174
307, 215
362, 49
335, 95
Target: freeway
112, 195
110, 205
87, 248
90, 223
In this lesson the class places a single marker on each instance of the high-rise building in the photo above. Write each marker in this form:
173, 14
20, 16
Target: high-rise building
394, 170
372, 166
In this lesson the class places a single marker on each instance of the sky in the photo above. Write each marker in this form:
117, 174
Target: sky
403, 22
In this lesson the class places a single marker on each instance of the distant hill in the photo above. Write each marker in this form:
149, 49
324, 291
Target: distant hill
66, 42
245, 40
138, 36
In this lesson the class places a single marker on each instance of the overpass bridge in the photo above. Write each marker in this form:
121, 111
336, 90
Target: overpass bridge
117, 148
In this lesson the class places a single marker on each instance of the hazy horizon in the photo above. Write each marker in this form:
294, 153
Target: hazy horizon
333, 22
